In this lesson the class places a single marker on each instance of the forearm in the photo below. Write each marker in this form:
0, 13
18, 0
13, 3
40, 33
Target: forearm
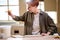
13, 16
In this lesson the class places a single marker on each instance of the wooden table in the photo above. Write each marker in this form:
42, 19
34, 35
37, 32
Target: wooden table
3, 39
34, 37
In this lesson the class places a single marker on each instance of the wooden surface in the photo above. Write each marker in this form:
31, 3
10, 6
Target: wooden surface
3, 39
33, 37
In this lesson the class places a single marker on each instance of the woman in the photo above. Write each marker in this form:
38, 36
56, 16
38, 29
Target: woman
36, 21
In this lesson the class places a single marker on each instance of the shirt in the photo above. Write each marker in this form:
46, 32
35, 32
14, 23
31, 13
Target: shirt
36, 27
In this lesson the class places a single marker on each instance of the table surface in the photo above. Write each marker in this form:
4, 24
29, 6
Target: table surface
34, 37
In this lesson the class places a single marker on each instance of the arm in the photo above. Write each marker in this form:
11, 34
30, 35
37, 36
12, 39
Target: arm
52, 27
17, 18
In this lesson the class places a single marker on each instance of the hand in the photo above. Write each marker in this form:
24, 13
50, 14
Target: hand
45, 34
9, 12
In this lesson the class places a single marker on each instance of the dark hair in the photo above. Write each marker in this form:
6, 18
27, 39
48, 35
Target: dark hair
34, 2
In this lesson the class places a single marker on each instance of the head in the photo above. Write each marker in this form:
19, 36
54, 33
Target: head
32, 5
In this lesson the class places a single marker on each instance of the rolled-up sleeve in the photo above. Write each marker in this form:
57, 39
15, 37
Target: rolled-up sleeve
20, 18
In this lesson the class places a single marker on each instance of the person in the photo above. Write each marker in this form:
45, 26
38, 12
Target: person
36, 21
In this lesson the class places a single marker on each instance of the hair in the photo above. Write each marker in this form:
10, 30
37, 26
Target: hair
34, 2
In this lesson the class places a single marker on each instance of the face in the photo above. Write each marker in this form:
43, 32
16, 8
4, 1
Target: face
31, 8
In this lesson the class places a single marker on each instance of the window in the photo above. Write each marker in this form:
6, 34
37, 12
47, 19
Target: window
41, 5
6, 5
53, 15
